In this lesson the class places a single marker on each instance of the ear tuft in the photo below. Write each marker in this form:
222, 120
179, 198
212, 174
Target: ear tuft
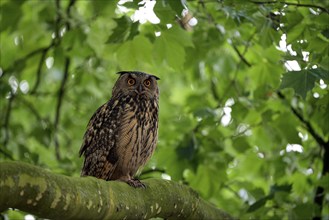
137, 72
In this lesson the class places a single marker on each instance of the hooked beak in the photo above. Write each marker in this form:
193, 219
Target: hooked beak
140, 89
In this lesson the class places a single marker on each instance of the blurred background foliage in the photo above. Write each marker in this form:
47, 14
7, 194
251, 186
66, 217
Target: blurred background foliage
244, 106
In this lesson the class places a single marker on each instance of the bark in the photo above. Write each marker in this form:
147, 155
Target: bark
53, 196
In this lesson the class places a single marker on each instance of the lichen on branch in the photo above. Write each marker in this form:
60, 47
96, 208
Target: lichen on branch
48, 195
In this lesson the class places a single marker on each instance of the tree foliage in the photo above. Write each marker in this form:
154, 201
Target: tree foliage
244, 93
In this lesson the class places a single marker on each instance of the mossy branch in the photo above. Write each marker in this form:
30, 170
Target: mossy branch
48, 195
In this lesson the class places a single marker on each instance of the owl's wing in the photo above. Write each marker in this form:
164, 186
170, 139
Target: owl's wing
99, 141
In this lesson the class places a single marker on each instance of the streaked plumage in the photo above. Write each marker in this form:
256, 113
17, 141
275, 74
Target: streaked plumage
122, 134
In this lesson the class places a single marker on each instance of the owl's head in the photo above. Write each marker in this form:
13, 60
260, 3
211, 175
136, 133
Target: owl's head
135, 83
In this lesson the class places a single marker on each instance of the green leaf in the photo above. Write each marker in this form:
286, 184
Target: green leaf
295, 26
269, 34
303, 211
164, 13
325, 33
121, 31
281, 188
103, 7
206, 179
133, 30
11, 13
295, 33
133, 54
169, 160
263, 74
188, 147
324, 182
320, 116
42, 135
178, 35
303, 81
300, 183
171, 52
241, 144
286, 126
125, 30
133, 4
274, 189
259, 203
169, 47
177, 6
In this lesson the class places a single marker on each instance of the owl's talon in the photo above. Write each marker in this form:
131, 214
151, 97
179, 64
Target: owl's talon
136, 183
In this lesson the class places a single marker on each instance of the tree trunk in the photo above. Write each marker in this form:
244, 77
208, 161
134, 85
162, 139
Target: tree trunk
48, 195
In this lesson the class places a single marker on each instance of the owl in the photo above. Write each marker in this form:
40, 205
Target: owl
122, 134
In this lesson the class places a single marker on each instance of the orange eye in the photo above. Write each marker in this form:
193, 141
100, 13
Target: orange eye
131, 81
147, 83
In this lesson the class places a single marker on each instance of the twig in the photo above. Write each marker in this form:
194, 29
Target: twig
29, 105
307, 124
64, 80
213, 89
319, 193
292, 4
59, 105
242, 58
6, 126
227, 186
7, 118
72, 2
41, 61
6, 154
26, 57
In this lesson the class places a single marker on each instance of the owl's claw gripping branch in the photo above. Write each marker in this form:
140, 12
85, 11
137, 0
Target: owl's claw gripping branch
136, 183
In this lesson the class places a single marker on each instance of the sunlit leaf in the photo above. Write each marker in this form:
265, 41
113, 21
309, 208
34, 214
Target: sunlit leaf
303, 81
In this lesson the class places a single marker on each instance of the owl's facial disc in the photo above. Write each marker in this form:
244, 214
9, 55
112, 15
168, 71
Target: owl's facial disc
141, 91
136, 84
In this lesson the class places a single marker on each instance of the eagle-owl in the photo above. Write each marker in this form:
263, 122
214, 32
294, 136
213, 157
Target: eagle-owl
122, 134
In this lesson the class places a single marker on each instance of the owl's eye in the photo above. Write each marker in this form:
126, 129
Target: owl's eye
131, 81
147, 83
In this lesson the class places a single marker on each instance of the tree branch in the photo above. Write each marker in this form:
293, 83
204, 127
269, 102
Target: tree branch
23, 59
292, 4
47, 195
59, 105
39, 70
6, 123
319, 194
242, 58
307, 124
65, 77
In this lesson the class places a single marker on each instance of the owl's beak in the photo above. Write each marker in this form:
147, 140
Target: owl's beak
140, 89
